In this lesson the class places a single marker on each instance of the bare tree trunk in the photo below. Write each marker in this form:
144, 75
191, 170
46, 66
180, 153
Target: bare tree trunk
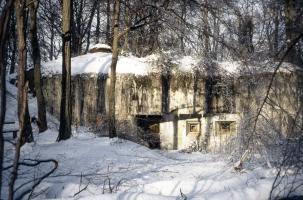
65, 109
97, 33
33, 8
108, 17
4, 21
293, 25
127, 23
52, 38
289, 25
276, 29
25, 129
245, 35
206, 33
87, 29
209, 82
22, 123
111, 100
215, 40
14, 43
76, 27
183, 16
87, 40
52, 32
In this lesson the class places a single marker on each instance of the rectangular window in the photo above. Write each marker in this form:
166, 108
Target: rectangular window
192, 127
225, 127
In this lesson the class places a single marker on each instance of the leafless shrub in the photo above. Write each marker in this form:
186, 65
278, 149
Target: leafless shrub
112, 187
289, 179
80, 184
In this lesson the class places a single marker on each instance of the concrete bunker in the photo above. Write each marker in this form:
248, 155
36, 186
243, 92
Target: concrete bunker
173, 113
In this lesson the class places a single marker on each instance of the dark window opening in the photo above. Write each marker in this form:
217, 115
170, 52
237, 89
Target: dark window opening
192, 127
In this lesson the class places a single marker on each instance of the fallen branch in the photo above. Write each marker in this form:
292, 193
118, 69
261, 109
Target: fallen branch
239, 165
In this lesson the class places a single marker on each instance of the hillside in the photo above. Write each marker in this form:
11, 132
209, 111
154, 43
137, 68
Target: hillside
87, 163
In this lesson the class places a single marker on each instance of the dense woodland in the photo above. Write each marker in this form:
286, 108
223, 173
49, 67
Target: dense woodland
32, 32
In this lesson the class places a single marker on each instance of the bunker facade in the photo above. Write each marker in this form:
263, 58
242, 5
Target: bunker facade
179, 109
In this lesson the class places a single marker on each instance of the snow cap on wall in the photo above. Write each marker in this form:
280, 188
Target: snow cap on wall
100, 63
100, 48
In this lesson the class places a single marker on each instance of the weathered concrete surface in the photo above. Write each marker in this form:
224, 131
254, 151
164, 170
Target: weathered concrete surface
135, 95
239, 105
234, 99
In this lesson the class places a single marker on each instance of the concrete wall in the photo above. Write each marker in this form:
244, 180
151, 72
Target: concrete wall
217, 142
282, 109
134, 95
234, 99
283, 105
174, 133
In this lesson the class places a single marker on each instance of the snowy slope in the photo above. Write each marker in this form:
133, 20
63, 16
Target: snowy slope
142, 173
145, 174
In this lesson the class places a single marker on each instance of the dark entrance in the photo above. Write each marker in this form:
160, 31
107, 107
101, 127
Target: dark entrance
149, 124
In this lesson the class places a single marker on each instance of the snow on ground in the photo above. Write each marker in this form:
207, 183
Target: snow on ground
134, 171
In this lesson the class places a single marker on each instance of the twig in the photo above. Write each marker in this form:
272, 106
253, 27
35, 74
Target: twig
81, 190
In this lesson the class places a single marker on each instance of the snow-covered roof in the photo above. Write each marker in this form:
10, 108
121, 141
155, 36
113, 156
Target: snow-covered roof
187, 63
100, 62
100, 46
